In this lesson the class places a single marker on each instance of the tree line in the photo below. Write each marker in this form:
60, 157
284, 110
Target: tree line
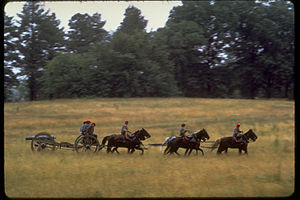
227, 49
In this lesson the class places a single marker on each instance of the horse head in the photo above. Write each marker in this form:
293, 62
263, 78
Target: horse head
202, 135
251, 135
142, 134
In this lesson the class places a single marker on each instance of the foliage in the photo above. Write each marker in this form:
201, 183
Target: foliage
66, 76
256, 42
38, 39
85, 31
10, 57
206, 49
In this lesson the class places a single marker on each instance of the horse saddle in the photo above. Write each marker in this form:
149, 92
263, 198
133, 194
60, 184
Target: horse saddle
237, 139
188, 138
129, 137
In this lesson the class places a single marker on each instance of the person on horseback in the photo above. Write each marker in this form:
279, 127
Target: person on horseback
182, 130
124, 130
84, 126
236, 133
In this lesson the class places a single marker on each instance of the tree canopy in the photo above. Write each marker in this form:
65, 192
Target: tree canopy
231, 49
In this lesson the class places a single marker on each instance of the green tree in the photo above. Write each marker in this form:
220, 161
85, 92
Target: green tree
85, 32
195, 44
133, 21
221, 47
66, 76
10, 56
39, 38
140, 67
264, 48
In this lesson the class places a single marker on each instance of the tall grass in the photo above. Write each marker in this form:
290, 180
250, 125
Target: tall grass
268, 170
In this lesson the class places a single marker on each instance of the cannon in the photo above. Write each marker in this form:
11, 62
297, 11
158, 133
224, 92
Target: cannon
43, 141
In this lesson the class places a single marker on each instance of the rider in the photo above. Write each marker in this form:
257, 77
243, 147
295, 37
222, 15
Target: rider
182, 130
124, 129
90, 129
236, 133
84, 126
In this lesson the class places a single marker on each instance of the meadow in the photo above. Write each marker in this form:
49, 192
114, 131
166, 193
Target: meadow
268, 170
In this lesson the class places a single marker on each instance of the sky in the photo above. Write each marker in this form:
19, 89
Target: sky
156, 12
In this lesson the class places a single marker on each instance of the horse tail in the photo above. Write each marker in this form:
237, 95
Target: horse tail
164, 143
216, 144
105, 139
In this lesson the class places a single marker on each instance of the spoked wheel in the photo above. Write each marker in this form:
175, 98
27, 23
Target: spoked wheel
43, 142
86, 143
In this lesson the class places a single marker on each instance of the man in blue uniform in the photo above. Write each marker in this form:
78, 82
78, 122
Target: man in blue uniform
84, 126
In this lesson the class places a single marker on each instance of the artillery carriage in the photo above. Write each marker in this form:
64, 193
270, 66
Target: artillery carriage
45, 142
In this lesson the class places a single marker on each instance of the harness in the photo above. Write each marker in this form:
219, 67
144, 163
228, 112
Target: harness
186, 138
243, 137
128, 137
190, 138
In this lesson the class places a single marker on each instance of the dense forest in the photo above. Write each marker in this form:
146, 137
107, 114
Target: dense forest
222, 49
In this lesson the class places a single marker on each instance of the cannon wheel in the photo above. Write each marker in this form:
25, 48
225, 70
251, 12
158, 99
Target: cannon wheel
42, 144
86, 143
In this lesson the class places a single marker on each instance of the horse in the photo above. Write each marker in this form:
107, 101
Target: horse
132, 143
228, 142
184, 142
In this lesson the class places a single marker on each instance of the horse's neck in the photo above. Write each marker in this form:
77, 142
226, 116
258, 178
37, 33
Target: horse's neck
136, 133
200, 134
246, 135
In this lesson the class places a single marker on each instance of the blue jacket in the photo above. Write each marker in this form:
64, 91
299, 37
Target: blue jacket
83, 128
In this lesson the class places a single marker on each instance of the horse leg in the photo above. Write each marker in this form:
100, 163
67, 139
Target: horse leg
142, 153
245, 149
177, 153
190, 151
186, 151
219, 150
116, 149
108, 149
132, 150
172, 150
226, 150
175, 150
201, 151
240, 151
167, 150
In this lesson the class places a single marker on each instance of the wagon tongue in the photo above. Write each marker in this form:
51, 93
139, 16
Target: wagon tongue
39, 137
154, 144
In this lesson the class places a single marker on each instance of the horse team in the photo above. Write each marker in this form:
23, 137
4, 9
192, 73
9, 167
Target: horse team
190, 143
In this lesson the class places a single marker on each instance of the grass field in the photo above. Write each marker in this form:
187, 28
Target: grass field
268, 170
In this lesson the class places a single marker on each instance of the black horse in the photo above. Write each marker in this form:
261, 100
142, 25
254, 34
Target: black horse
228, 142
131, 143
187, 142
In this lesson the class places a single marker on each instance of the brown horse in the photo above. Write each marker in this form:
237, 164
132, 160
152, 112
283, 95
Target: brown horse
228, 142
181, 142
116, 141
